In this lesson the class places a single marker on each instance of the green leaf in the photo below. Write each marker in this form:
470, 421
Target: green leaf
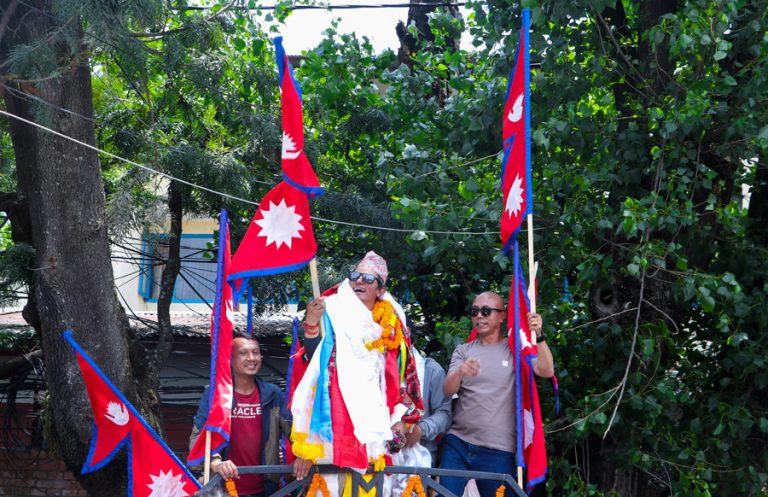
418, 235
707, 303
762, 424
763, 134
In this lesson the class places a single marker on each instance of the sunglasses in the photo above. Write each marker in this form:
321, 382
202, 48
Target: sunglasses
485, 311
368, 279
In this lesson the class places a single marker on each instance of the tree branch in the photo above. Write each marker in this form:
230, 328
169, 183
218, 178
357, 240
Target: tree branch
161, 34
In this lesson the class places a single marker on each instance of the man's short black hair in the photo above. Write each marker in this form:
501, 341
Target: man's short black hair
244, 334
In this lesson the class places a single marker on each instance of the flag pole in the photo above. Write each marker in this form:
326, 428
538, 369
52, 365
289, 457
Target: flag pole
514, 300
207, 466
526, 28
532, 266
316, 287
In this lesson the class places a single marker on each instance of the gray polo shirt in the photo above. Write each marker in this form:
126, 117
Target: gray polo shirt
485, 411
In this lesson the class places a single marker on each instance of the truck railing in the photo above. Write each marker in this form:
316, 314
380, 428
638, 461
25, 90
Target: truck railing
376, 481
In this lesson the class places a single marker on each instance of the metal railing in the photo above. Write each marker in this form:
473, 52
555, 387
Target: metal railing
377, 478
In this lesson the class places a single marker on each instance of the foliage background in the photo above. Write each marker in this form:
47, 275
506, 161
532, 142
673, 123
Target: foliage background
648, 117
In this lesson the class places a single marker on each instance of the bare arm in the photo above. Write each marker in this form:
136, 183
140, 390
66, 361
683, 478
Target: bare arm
543, 365
470, 367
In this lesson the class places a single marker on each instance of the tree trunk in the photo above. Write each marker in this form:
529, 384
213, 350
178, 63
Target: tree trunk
74, 286
418, 14
148, 363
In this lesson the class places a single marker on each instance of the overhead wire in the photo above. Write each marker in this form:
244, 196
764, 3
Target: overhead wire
226, 195
353, 6
229, 196
194, 273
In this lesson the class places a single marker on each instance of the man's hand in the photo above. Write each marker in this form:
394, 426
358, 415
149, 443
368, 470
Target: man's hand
301, 468
227, 469
413, 435
399, 427
470, 367
534, 323
315, 310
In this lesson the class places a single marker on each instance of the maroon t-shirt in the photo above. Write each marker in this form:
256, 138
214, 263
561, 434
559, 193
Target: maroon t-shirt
246, 440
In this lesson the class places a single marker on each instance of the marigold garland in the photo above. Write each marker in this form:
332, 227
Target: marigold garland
304, 449
379, 463
414, 483
392, 329
230, 486
318, 482
500, 491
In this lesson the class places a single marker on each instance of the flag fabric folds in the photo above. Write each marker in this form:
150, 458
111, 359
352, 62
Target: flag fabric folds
294, 372
516, 183
153, 470
280, 238
113, 421
297, 170
531, 449
221, 388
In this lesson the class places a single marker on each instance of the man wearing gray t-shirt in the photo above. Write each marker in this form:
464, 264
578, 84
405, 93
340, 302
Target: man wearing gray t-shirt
482, 434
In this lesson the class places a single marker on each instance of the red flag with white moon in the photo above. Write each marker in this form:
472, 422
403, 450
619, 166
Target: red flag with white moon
297, 170
153, 469
516, 183
219, 420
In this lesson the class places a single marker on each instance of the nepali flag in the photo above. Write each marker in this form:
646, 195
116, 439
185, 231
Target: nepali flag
154, 471
297, 170
294, 373
516, 183
280, 238
219, 421
531, 450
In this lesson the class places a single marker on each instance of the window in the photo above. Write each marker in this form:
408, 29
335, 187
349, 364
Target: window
196, 282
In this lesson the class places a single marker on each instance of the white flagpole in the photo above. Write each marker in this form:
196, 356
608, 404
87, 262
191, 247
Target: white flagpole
316, 287
533, 268
207, 465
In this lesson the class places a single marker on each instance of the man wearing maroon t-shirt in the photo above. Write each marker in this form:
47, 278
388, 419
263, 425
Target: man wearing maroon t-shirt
258, 419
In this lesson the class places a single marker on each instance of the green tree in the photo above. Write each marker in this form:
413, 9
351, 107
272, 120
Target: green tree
647, 121
648, 118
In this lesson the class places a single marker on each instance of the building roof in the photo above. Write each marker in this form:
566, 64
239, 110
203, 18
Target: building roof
185, 324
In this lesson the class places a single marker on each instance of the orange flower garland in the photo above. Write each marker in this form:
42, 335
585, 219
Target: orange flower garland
230, 486
392, 333
378, 464
500, 491
414, 483
318, 482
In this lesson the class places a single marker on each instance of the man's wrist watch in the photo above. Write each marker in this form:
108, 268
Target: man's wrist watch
541, 338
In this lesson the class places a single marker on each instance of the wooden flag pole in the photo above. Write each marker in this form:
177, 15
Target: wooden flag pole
531, 266
532, 290
316, 287
207, 465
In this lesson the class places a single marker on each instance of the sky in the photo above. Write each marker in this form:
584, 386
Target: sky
303, 29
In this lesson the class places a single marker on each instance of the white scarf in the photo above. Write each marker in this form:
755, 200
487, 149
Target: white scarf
360, 372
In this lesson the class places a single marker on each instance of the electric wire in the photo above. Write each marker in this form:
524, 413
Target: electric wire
353, 6
234, 197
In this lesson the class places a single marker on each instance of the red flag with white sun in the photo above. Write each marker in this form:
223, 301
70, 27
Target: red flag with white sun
280, 238
516, 183
153, 469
